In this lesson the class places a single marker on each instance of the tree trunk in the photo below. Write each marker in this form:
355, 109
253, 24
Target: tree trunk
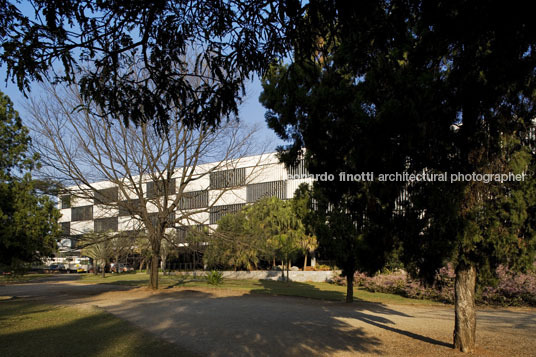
104, 270
154, 272
95, 268
465, 314
350, 287
142, 262
117, 270
305, 262
195, 263
163, 265
288, 266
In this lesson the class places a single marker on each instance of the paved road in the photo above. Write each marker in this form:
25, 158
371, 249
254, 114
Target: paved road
216, 323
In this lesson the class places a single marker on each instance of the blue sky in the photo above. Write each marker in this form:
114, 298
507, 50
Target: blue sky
251, 111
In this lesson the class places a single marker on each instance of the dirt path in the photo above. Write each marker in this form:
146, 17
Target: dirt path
223, 323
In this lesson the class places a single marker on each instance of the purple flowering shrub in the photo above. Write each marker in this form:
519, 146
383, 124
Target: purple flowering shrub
512, 289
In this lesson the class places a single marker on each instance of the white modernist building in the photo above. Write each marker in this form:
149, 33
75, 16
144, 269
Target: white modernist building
213, 190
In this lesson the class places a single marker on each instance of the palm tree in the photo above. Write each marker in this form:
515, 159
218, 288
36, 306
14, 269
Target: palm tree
308, 244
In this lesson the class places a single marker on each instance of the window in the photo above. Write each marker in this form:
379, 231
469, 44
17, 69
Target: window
298, 170
74, 241
195, 199
184, 231
217, 212
228, 178
170, 219
84, 213
65, 201
158, 188
266, 189
129, 207
106, 196
106, 224
66, 228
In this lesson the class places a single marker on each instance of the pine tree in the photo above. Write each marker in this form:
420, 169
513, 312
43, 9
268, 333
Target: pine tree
28, 220
412, 86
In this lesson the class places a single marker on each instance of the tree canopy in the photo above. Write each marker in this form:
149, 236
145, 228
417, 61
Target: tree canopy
266, 230
221, 44
413, 86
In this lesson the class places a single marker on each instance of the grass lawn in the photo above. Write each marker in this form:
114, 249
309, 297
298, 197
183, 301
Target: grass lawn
10, 279
322, 291
30, 328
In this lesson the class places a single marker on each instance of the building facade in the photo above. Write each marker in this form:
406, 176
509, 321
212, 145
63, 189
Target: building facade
211, 194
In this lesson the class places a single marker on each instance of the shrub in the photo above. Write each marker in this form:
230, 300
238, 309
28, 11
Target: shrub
323, 267
214, 277
513, 289
320, 267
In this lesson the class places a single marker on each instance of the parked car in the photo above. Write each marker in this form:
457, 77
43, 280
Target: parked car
91, 269
122, 268
57, 267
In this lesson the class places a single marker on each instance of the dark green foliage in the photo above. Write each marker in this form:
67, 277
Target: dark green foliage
274, 219
301, 206
354, 246
14, 141
233, 244
196, 55
28, 220
410, 86
475, 223
266, 230
318, 108
28, 224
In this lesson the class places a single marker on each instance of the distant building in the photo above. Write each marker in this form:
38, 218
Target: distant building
210, 197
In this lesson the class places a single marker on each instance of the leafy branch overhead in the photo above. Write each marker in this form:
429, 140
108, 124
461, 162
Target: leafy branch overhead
179, 43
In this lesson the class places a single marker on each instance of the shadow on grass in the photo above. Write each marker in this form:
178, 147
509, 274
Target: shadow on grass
34, 329
182, 282
253, 325
298, 289
212, 325
38, 278
136, 283
62, 292
355, 309
242, 325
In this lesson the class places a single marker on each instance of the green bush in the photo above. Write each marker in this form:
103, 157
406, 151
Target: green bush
214, 277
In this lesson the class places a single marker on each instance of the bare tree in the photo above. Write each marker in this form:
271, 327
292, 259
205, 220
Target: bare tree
146, 178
